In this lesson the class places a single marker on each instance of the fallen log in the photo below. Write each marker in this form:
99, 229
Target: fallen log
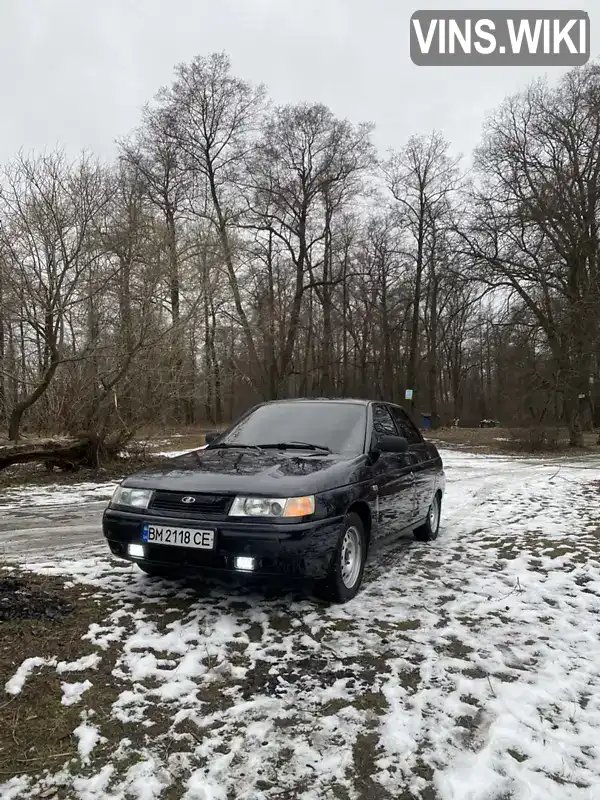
66, 453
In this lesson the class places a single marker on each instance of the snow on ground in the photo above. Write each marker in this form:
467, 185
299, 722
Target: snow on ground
83, 663
174, 453
56, 494
466, 669
72, 692
88, 737
16, 683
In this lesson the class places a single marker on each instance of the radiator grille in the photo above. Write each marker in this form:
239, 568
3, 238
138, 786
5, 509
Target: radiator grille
203, 505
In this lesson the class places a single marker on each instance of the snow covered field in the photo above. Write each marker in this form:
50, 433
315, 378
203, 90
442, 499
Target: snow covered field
466, 669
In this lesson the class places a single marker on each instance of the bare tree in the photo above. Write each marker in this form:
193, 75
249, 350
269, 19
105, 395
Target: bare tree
214, 115
306, 168
420, 178
155, 155
534, 231
48, 208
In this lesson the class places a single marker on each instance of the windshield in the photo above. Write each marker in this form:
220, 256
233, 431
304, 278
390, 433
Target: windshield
337, 426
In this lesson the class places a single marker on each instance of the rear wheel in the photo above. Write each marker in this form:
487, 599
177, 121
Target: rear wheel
159, 571
430, 528
348, 565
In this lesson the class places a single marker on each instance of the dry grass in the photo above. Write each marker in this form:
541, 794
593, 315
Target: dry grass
36, 729
42, 618
512, 440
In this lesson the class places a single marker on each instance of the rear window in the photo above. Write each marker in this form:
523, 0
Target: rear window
339, 426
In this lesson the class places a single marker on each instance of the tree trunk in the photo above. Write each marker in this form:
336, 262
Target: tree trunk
433, 337
2, 351
181, 398
16, 415
344, 382
233, 281
573, 417
216, 368
411, 377
273, 371
125, 403
69, 453
327, 343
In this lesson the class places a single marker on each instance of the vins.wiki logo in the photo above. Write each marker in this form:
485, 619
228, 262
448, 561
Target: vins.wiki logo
514, 38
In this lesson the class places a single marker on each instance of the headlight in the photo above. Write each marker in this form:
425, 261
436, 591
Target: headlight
136, 498
272, 506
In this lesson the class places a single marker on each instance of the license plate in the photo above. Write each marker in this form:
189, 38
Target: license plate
178, 537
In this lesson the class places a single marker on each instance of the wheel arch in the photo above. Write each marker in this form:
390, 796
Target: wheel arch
361, 508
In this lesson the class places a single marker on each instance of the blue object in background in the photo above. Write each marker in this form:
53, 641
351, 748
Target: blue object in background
426, 421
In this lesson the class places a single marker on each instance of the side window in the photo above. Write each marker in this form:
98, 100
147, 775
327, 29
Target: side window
383, 424
405, 426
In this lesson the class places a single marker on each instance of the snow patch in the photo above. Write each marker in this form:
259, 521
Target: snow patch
72, 692
175, 453
15, 787
88, 736
80, 665
16, 683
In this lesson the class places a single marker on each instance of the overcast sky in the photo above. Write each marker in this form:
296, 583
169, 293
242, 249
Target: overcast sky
74, 73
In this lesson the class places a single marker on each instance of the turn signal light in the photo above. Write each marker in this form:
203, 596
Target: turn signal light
299, 506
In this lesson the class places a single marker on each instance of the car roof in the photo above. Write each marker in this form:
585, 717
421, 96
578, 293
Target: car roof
349, 400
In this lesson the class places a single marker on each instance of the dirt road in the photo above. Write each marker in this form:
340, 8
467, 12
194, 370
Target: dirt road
42, 531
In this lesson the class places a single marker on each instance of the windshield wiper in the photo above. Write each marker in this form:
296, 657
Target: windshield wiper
297, 446
232, 445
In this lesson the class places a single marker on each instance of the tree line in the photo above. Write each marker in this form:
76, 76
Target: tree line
239, 251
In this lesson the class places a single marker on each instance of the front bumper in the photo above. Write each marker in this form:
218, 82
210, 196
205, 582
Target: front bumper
302, 550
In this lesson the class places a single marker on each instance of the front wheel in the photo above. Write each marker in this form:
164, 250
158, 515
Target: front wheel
348, 565
430, 528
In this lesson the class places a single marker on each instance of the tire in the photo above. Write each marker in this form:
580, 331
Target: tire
348, 564
159, 571
431, 527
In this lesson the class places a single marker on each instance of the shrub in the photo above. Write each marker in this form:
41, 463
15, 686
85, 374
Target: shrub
537, 438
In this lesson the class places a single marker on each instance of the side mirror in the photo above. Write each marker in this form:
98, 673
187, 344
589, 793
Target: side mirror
210, 436
392, 444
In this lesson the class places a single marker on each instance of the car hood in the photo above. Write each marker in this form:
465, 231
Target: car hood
286, 473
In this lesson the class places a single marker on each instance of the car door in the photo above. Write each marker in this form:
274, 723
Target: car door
393, 478
422, 460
